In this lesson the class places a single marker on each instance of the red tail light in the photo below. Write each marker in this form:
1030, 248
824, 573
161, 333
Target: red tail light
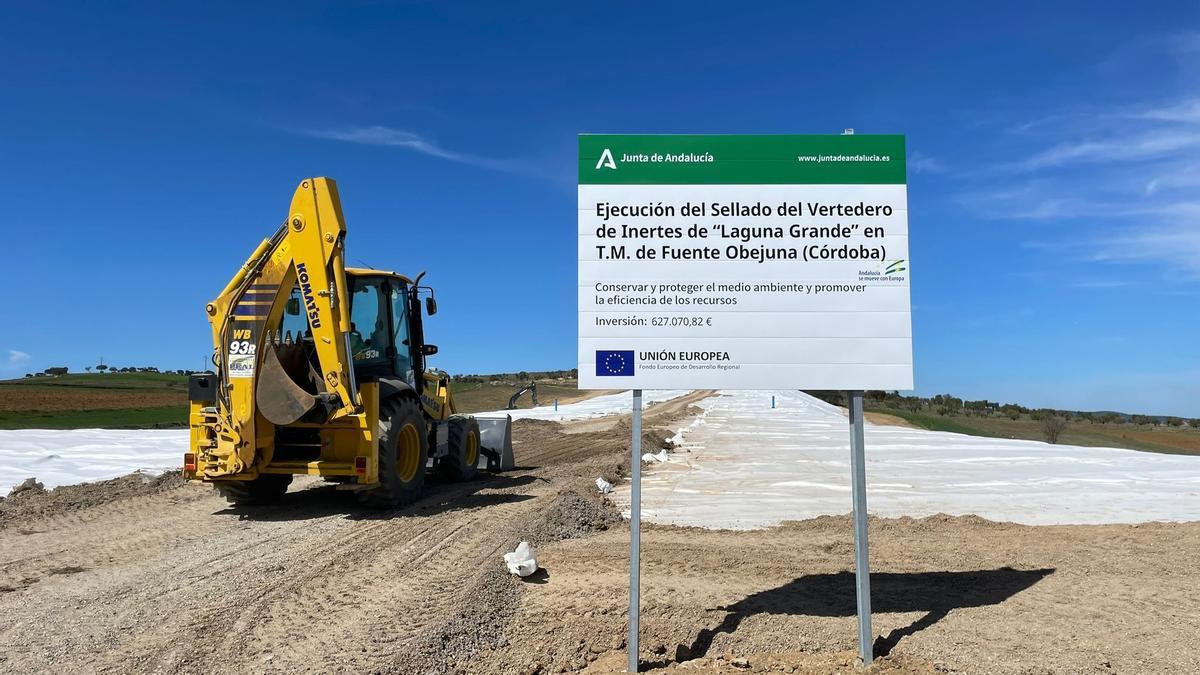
360, 466
189, 461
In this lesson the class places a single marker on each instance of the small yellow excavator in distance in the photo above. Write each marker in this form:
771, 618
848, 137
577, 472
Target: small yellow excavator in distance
321, 370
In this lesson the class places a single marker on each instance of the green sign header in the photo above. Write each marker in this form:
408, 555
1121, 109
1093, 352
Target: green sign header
736, 159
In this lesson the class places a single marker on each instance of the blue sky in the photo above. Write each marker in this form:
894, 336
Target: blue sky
1054, 167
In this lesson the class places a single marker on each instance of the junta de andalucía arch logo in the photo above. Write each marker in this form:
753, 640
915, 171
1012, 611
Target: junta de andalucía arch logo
606, 160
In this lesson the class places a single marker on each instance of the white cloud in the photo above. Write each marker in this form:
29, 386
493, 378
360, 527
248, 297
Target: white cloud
1173, 244
922, 163
1108, 185
1169, 176
16, 359
1176, 245
397, 138
1143, 146
1187, 111
1100, 284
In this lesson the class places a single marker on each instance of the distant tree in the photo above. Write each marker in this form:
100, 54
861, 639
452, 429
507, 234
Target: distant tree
832, 397
56, 371
1052, 427
983, 407
1196, 423
1175, 421
87, 369
102, 367
950, 404
31, 375
1087, 417
1011, 410
1141, 420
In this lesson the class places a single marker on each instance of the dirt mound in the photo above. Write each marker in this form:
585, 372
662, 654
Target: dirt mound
654, 438
528, 423
37, 503
573, 515
483, 622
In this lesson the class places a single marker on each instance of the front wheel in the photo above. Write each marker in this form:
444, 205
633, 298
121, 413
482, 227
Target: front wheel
403, 452
462, 460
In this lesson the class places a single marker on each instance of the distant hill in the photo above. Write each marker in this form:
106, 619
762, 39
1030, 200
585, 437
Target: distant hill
90, 400
158, 400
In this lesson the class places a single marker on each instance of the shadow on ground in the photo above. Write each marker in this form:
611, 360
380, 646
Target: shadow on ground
327, 500
935, 593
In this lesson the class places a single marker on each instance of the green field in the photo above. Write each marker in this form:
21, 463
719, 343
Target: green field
121, 381
122, 418
1171, 440
158, 400
93, 400
477, 397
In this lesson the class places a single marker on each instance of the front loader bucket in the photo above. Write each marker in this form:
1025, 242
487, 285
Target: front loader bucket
279, 398
495, 440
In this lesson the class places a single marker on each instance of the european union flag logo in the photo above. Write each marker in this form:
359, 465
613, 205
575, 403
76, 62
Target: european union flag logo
614, 363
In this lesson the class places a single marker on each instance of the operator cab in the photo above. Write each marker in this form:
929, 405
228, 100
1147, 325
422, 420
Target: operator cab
386, 337
386, 340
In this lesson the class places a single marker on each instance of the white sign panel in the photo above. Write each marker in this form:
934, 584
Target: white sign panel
743, 262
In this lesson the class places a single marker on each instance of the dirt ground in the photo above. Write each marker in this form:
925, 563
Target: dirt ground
473, 397
884, 419
158, 576
50, 399
949, 595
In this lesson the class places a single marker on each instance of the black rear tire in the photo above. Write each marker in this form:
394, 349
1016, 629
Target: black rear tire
403, 453
462, 462
268, 488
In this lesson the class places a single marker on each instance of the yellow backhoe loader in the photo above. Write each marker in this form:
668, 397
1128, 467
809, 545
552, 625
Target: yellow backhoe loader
321, 371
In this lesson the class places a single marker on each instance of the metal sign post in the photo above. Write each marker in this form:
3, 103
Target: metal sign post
635, 531
862, 565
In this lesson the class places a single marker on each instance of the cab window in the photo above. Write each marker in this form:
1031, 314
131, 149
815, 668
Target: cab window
400, 318
294, 325
369, 336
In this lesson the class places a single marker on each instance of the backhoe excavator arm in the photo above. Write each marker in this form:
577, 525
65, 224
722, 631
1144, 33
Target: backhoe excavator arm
306, 252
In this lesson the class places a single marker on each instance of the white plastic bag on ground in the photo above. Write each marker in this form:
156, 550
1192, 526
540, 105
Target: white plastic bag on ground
603, 486
660, 457
523, 561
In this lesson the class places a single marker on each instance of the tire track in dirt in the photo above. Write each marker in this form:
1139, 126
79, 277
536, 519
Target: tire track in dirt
177, 581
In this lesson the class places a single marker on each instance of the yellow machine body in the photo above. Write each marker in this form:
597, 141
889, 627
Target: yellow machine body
297, 389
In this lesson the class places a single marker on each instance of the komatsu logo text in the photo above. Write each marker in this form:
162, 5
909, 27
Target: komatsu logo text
310, 303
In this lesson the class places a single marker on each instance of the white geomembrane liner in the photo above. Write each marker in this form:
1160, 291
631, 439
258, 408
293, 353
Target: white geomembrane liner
64, 457
752, 467
607, 404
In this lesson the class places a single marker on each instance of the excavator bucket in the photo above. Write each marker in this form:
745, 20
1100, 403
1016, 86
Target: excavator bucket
495, 440
279, 398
